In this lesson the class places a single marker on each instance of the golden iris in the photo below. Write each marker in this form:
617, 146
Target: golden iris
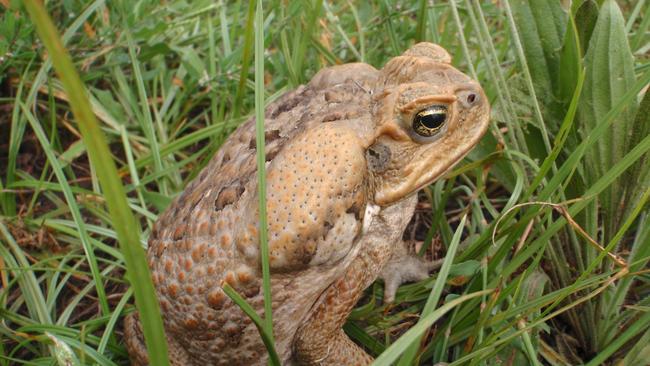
430, 120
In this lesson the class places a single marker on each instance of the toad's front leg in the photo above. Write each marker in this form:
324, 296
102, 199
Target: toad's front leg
404, 267
320, 340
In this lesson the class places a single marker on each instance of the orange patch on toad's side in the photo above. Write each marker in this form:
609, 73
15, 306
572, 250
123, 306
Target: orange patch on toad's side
244, 276
212, 252
198, 252
216, 298
212, 270
180, 230
203, 229
230, 279
191, 323
225, 241
172, 290
168, 265
187, 264
189, 289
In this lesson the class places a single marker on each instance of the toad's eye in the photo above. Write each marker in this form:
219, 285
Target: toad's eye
430, 121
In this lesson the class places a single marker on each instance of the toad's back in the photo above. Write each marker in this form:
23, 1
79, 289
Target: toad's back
208, 235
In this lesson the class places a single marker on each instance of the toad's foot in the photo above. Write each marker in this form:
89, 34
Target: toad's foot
404, 267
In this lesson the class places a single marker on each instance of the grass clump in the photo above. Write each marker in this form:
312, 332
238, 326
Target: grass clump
548, 218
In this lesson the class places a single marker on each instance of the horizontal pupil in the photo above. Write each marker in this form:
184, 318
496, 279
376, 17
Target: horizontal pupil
433, 120
429, 121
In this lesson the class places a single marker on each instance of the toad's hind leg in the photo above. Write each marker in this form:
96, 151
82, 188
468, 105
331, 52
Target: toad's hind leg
134, 339
320, 339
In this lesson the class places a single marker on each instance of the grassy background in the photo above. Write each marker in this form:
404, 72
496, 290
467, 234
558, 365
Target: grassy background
562, 174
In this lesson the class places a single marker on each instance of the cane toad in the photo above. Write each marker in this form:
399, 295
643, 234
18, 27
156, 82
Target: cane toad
345, 155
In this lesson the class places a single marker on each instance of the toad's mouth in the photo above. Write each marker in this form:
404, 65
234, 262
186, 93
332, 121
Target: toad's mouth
425, 180
383, 198
419, 173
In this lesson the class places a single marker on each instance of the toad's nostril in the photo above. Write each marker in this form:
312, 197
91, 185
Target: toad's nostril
469, 98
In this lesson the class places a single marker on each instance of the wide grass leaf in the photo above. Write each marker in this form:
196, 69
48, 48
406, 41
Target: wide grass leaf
541, 26
637, 178
585, 19
609, 73
570, 63
63, 353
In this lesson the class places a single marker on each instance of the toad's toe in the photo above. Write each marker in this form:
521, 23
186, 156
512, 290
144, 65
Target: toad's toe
402, 268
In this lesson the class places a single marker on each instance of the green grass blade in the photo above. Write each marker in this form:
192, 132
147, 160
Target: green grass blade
125, 225
421, 27
541, 28
412, 335
508, 335
613, 304
358, 334
72, 205
110, 326
16, 135
571, 66
284, 46
225, 34
337, 24
633, 16
585, 19
29, 285
541, 124
387, 10
360, 32
640, 33
560, 138
306, 35
246, 58
638, 257
514, 132
595, 189
609, 73
436, 292
267, 338
640, 352
146, 122
639, 175
571, 163
261, 166
63, 353
633, 330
